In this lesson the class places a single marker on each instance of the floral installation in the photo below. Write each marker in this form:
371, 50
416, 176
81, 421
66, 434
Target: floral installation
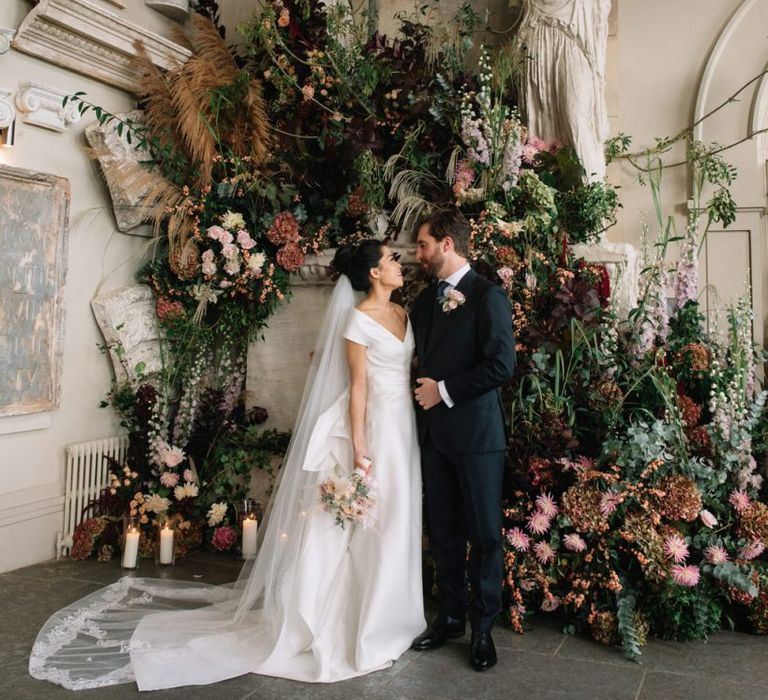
634, 504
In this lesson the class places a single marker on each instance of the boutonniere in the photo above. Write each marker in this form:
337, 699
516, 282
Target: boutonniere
452, 300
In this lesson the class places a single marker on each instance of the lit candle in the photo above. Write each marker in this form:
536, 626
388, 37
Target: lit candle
166, 545
250, 528
131, 550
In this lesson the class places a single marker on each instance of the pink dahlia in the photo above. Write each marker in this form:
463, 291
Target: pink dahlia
686, 575
716, 554
169, 479
547, 504
740, 500
609, 502
538, 523
676, 549
224, 538
518, 539
752, 550
574, 542
544, 553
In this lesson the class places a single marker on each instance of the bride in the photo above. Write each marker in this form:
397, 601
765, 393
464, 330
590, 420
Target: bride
320, 603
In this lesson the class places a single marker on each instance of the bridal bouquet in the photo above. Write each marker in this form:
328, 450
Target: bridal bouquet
350, 499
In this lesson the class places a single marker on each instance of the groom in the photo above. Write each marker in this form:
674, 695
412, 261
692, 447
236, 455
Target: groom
465, 352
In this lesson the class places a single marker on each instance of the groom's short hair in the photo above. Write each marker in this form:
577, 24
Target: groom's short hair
449, 223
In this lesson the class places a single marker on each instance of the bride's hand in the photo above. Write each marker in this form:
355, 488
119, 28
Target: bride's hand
362, 462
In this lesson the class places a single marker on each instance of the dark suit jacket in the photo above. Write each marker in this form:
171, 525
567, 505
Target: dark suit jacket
472, 349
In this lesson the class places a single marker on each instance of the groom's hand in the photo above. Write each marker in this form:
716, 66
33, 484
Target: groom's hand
427, 394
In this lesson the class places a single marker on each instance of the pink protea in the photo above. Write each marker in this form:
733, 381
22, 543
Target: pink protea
538, 523
547, 504
686, 575
550, 604
716, 554
518, 539
544, 552
740, 500
752, 550
574, 542
609, 502
169, 479
676, 549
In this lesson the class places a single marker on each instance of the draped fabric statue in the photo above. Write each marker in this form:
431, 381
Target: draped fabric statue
565, 76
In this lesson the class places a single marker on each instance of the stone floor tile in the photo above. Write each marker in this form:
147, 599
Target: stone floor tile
446, 674
670, 686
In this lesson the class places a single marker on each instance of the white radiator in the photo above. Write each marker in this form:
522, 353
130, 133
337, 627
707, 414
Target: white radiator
86, 477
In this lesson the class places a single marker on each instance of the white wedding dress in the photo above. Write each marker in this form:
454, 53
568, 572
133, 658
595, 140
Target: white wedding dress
320, 603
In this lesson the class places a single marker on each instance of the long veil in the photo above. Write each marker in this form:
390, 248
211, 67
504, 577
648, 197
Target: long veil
164, 633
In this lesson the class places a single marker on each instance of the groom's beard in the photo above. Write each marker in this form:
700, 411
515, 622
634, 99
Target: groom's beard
434, 265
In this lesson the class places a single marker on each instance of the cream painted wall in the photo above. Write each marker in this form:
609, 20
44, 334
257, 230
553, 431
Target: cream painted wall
667, 54
32, 462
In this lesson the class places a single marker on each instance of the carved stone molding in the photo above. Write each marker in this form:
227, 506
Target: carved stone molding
89, 39
6, 35
175, 9
128, 322
42, 106
7, 111
112, 150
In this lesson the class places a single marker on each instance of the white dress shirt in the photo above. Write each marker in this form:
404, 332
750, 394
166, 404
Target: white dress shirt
452, 281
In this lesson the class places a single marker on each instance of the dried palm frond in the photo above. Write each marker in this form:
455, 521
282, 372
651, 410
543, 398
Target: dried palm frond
409, 210
153, 91
157, 195
205, 106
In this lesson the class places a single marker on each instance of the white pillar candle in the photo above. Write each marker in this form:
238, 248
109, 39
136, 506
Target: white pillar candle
166, 546
250, 528
131, 550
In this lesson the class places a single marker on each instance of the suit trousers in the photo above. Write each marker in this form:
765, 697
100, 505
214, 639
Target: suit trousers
463, 499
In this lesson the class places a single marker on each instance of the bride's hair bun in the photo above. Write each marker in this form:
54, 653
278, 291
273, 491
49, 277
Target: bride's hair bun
356, 261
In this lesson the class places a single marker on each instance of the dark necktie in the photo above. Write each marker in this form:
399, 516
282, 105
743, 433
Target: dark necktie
441, 289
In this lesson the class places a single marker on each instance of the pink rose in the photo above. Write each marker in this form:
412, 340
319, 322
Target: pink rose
226, 238
215, 232
245, 241
209, 268
506, 274
708, 519
207, 256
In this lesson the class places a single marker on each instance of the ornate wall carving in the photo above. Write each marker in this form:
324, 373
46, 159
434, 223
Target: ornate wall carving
90, 39
41, 105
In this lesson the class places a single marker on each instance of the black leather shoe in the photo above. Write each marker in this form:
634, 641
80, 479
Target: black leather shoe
482, 653
442, 629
